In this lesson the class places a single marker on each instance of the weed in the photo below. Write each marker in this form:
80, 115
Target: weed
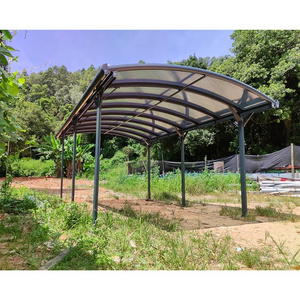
252, 258
168, 187
166, 197
124, 239
271, 213
152, 218
9, 203
236, 213
291, 262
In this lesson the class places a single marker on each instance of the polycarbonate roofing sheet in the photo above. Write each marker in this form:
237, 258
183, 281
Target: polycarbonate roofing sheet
148, 102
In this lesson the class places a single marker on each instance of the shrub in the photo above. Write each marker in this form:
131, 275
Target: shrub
10, 203
118, 158
31, 167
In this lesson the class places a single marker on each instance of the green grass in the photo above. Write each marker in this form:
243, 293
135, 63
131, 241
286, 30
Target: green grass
236, 213
269, 212
24, 239
153, 218
123, 239
168, 188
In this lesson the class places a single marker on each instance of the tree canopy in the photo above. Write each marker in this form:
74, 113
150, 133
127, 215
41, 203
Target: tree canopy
268, 60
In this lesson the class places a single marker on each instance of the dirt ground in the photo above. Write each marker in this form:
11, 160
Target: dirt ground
198, 218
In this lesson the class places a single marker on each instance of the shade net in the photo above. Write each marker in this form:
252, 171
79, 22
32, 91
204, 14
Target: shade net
279, 160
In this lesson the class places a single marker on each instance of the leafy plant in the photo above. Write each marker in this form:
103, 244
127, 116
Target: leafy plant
9, 203
52, 149
9, 90
31, 167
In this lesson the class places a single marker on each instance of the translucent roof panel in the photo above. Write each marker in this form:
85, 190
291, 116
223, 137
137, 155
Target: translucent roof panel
148, 102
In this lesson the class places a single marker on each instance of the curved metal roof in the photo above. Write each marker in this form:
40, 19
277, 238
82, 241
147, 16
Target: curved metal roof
147, 102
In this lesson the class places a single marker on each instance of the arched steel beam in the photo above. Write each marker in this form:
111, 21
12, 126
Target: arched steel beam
120, 120
135, 114
113, 133
107, 125
148, 107
176, 86
131, 126
121, 129
104, 130
173, 100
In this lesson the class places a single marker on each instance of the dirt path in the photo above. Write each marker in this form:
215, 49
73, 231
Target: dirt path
199, 218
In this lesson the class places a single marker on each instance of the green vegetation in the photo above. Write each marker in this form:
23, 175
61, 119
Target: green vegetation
52, 149
9, 90
121, 240
252, 215
168, 188
10, 202
26, 166
35, 227
265, 59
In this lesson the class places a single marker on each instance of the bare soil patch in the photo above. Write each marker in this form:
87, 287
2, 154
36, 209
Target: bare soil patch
198, 218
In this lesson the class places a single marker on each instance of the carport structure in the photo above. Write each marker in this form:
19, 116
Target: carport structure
149, 102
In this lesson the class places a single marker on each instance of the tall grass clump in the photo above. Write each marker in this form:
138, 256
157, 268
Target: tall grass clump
210, 182
168, 188
116, 178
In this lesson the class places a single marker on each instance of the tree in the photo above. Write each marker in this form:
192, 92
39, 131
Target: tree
36, 121
9, 90
269, 60
197, 143
86, 77
193, 61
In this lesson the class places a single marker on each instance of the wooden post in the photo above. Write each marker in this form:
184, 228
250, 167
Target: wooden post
292, 161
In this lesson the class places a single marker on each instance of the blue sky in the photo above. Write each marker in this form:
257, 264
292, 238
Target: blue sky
76, 49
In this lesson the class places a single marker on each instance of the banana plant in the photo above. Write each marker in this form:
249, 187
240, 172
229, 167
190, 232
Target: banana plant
53, 147
83, 154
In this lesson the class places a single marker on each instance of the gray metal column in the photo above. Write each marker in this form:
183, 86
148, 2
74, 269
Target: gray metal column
74, 161
97, 159
182, 172
62, 166
149, 173
242, 167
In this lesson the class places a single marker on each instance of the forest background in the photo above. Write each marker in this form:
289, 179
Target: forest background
267, 60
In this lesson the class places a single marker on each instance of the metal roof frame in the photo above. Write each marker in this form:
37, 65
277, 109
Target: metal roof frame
151, 102
135, 103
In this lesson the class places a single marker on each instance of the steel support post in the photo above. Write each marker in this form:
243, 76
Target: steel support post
182, 172
62, 166
242, 167
97, 160
74, 161
149, 173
